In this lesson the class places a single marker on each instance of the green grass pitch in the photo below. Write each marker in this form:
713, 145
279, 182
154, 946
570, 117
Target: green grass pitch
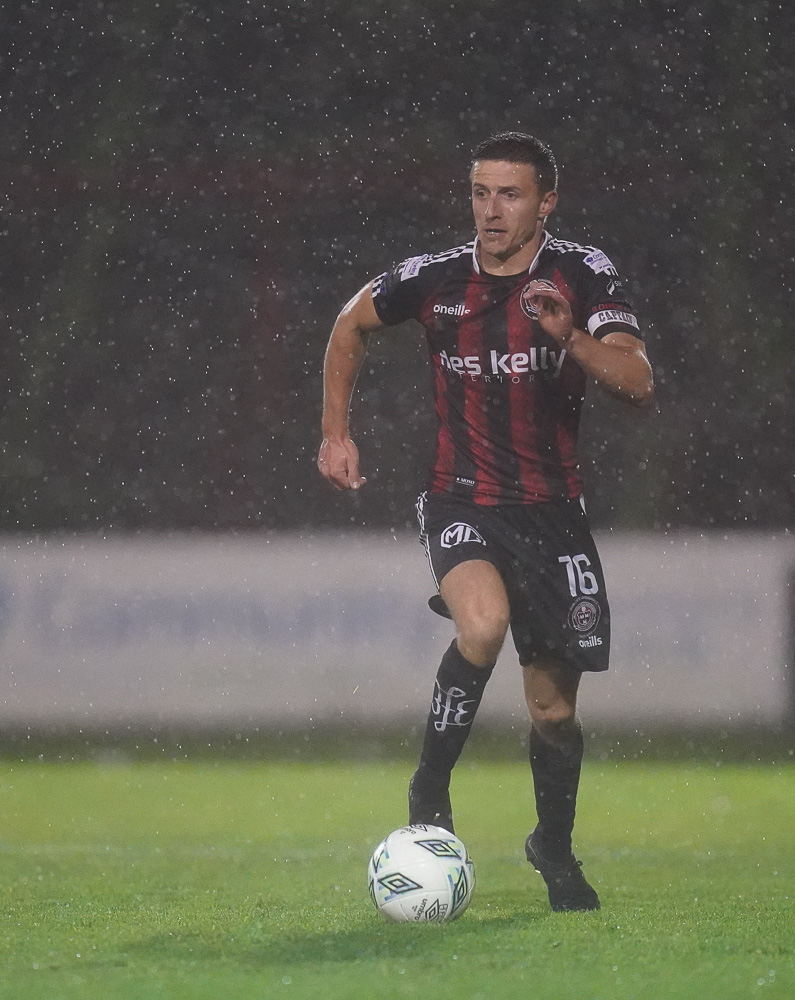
244, 880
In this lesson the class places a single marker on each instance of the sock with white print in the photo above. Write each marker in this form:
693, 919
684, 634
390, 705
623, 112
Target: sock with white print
457, 692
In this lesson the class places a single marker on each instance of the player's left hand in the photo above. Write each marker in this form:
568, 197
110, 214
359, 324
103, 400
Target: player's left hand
554, 311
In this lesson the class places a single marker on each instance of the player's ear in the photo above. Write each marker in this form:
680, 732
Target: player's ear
548, 202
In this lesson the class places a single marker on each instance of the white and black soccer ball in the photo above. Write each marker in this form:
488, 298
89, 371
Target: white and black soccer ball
421, 873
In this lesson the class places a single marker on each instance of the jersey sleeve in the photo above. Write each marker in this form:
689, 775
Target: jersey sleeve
604, 303
398, 294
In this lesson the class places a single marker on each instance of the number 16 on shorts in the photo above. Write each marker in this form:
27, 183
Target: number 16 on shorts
581, 580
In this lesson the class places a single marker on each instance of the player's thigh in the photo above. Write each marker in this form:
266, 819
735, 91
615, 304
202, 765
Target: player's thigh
476, 598
474, 591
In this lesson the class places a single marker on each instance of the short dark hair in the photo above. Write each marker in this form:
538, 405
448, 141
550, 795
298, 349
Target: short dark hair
518, 147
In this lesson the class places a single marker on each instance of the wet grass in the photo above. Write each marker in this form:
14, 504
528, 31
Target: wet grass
247, 880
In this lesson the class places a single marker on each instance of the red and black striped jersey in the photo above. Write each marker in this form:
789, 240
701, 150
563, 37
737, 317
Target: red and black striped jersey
508, 398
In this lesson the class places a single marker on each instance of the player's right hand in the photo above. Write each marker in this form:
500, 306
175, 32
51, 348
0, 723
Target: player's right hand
338, 462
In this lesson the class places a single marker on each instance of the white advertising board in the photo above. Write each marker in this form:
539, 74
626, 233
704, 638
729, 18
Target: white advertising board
281, 630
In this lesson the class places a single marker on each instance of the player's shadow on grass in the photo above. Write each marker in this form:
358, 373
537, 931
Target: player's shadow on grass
373, 941
381, 940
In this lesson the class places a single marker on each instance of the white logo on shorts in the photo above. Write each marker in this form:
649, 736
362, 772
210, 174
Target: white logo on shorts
458, 533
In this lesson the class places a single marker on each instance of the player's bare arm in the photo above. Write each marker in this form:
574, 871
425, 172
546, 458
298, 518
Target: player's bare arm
618, 362
338, 458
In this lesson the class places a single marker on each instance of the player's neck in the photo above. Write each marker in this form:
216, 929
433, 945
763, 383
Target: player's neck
516, 263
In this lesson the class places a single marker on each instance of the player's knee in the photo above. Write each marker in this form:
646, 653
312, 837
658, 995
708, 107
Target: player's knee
553, 719
483, 634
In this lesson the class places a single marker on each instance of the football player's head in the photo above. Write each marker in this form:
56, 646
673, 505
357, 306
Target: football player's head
518, 147
513, 180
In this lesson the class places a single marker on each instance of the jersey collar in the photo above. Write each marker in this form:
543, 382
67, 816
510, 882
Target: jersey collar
533, 265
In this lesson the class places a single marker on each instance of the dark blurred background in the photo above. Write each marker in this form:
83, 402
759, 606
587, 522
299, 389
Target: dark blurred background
190, 192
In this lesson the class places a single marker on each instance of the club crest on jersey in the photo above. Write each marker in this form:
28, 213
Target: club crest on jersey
584, 614
459, 533
525, 300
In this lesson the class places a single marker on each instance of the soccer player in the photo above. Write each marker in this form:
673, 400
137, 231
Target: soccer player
516, 322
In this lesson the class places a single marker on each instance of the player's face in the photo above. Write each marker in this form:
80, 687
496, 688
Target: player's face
509, 208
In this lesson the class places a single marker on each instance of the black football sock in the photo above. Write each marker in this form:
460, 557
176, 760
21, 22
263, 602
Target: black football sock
456, 695
556, 776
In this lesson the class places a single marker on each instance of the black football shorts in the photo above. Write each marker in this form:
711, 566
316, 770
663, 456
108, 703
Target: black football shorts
548, 561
